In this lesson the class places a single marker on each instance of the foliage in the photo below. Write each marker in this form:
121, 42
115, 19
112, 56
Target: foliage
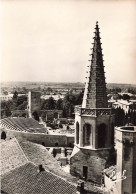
131, 117
15, 95
122, 119
59, 104
69, 102
119, 117
66, 105
17, 103
124, 97
48, 104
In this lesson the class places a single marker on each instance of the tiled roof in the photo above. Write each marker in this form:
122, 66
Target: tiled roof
23, 124
38, 154
27, 180
12, 156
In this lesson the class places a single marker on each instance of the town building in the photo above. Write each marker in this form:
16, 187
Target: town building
54, 96
7, 97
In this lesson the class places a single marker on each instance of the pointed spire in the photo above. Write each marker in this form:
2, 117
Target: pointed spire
95, 95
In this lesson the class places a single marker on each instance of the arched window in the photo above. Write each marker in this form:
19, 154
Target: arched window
3, 135
86, 134
101, 135
77, 133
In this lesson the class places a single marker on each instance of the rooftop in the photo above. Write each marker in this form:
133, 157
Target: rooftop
20, 169
38, 154
27, 179
12, 156
22, 174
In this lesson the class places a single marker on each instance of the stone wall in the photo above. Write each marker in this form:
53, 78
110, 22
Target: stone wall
51, 114
46, 140
126, 160
95, 160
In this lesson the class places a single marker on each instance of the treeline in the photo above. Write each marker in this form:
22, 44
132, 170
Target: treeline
122, 119
124, 97
17, 103
66, 105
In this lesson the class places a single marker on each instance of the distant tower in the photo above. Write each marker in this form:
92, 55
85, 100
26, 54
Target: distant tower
29, 104
94, 122
34, 101
126, 158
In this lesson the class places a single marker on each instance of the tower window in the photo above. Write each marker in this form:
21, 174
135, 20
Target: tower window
87, 135
101, 135
77, 132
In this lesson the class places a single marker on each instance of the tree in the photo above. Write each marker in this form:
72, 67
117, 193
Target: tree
5, 109
64, 113
49, 89
131, 117
51, 103
22, 102
15, 95
79, 98
126, 97
48, 104
119, 117
59, 104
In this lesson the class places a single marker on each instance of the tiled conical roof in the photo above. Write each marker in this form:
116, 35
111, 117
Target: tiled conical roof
95, 95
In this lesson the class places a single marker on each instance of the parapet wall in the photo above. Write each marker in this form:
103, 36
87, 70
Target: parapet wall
44, 139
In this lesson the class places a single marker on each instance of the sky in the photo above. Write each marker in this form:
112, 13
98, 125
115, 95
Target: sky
50, 40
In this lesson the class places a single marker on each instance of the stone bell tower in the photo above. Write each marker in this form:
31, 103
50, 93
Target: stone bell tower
94, 122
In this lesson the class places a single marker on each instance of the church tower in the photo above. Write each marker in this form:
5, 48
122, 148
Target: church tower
94, 122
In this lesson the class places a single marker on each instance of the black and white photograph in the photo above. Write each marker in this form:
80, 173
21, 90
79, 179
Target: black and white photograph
68, 96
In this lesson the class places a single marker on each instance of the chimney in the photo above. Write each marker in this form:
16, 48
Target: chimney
80, 187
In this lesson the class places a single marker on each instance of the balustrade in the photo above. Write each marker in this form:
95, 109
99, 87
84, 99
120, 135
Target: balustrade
92, 111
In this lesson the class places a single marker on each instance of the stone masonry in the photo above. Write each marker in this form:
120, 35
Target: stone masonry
94, 122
